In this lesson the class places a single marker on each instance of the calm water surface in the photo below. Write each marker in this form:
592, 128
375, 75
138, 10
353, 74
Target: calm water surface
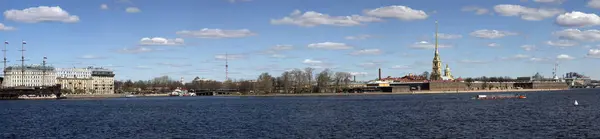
541, 115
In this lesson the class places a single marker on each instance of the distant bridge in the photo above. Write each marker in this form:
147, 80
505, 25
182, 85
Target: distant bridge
590, 85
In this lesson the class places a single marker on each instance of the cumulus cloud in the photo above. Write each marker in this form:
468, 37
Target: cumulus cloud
103, 6
216, 33
493, 45
132, 10
91, 57
41, 14
312, 62
591, 35
312, 18
564, 57
538, 59
161, 41
526, 13
528, 47
330, 46
397, 11
448, 36
472, 61
359, 37
427, 45
6, 28
282, 47
359, 73
491, 34
229, 56
594, 4
135, 50
578, 19
476, 9
594, 53
367, 52
401, 67
515, 57
318, 64
562, 43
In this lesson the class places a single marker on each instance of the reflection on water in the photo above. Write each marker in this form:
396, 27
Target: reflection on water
544, 115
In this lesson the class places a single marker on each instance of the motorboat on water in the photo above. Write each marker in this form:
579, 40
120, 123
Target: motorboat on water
500, 96
31, 97
130, 96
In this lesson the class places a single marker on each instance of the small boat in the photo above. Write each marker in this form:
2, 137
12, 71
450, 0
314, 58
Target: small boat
130, 96
501, 96
575, 103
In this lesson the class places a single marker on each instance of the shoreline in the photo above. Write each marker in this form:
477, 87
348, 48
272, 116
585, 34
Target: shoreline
400, 93
103, 96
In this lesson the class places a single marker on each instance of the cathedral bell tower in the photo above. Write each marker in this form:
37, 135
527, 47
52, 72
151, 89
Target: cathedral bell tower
436, 73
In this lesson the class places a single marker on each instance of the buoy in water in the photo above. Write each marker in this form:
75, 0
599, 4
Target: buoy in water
575, 103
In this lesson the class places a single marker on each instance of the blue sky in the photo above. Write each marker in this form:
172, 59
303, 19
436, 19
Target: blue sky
188, 38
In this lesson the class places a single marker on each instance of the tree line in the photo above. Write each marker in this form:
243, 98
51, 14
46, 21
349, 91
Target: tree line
289, 82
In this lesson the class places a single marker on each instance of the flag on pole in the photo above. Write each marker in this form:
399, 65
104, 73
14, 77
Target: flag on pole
5, 42
24, 42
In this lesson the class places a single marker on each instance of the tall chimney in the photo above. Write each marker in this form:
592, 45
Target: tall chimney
379, 73
354, 78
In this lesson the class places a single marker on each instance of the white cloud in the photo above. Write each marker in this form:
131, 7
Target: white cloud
330, 45
6, 28
216, 33
132, 10
91, 57
369, 64
397, 11
476, 9
400, 67
161, 41
312, 18
537, 59
359, 73
518, 56
448, 36
282, 47
41, 14
491, 34
549, 1
562, 43
359, 37
528, 47
576, 34
473, 61
103, 6
312, 62
493, 45
367, 52
578, 19
594, 53
135, 50
427, 45
594, 4
278, 56
526, 13
564, 57
229, 56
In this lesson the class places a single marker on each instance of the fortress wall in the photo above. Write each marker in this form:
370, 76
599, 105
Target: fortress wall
550, 85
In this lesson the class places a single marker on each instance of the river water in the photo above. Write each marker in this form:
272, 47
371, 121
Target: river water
541, 115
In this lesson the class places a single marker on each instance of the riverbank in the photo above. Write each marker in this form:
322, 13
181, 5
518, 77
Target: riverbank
406, 93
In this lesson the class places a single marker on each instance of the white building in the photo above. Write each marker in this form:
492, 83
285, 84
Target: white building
32, 76
73, 73
103, 80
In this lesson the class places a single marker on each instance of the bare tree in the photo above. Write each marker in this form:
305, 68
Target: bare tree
323, 79
298, 80
286, 81
309, 76
265, 83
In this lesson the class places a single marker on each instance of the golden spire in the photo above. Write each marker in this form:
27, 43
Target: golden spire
436, 37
